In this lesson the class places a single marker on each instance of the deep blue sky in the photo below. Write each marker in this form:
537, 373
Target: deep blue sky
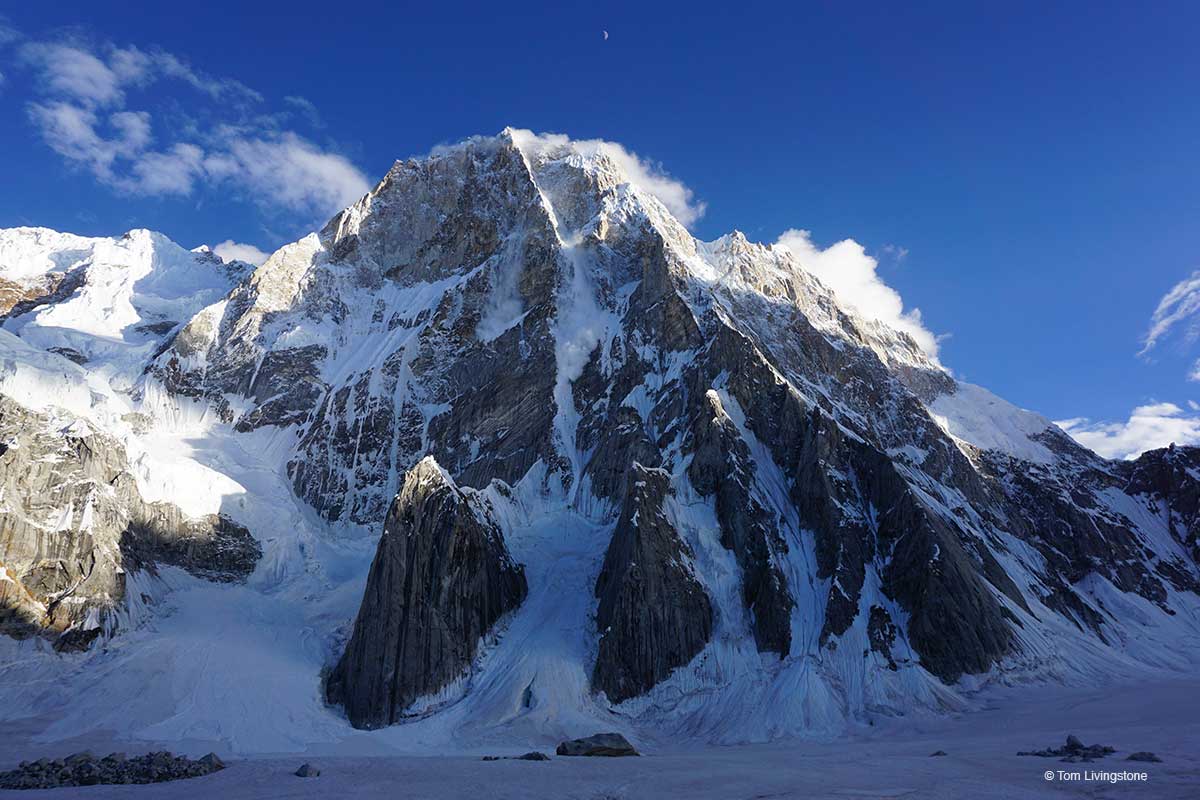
1039, 162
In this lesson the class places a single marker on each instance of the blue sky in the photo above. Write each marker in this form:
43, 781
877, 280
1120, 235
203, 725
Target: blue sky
1026, 175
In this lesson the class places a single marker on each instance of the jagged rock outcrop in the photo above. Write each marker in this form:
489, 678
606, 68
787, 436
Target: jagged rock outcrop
441, 579
72, 523
653, 615
1170, 478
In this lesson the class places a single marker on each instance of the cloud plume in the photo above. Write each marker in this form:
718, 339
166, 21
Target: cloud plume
643, 174
852, 274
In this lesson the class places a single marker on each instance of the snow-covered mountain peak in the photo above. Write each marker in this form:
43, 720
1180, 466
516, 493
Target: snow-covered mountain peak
742, 510
32, 252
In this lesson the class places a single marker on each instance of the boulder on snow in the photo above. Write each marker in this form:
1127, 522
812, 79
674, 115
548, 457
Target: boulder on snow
1073, 751
307, 771
1144, 755
85, 769
602, 744
530, 756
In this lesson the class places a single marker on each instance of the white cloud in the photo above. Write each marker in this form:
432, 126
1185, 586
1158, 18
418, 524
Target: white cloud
100, 77
846, 268
306, 107
230, 250
83, 117
651, 178
1149, 427
71, 130
1180, 305
171, 171
289, 170
69, 71
645, 175
171, 67
8, 34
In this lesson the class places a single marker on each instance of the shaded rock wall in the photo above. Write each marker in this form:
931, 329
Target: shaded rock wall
654, 615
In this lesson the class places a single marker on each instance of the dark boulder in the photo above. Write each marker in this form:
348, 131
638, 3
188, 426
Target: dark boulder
602, 744
84, 769
530, 756
1073, 751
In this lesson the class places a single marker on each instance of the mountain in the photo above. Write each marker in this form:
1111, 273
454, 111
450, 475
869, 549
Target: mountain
504, 450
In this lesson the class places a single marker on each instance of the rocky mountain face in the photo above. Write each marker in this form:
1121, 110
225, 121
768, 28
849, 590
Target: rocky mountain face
72, 524
801, 515
73, 521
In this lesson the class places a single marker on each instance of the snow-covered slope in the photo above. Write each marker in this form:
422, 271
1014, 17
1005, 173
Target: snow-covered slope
741, 509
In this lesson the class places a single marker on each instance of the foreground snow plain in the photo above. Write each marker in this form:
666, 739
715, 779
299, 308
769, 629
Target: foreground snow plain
888, 760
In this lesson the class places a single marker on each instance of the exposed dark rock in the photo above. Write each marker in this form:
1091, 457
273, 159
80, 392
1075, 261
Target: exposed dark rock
76, 640
882, 634
601, 744
1144, 755
158, 328
212, 761
21, 298
1073, 751
531, 756
71, 354
936, 753
442, 577
1168, 475
725, 364
307, 771
654, 615
214, 547
84, 769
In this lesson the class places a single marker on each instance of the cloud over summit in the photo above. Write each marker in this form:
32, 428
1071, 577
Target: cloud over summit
852, 274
